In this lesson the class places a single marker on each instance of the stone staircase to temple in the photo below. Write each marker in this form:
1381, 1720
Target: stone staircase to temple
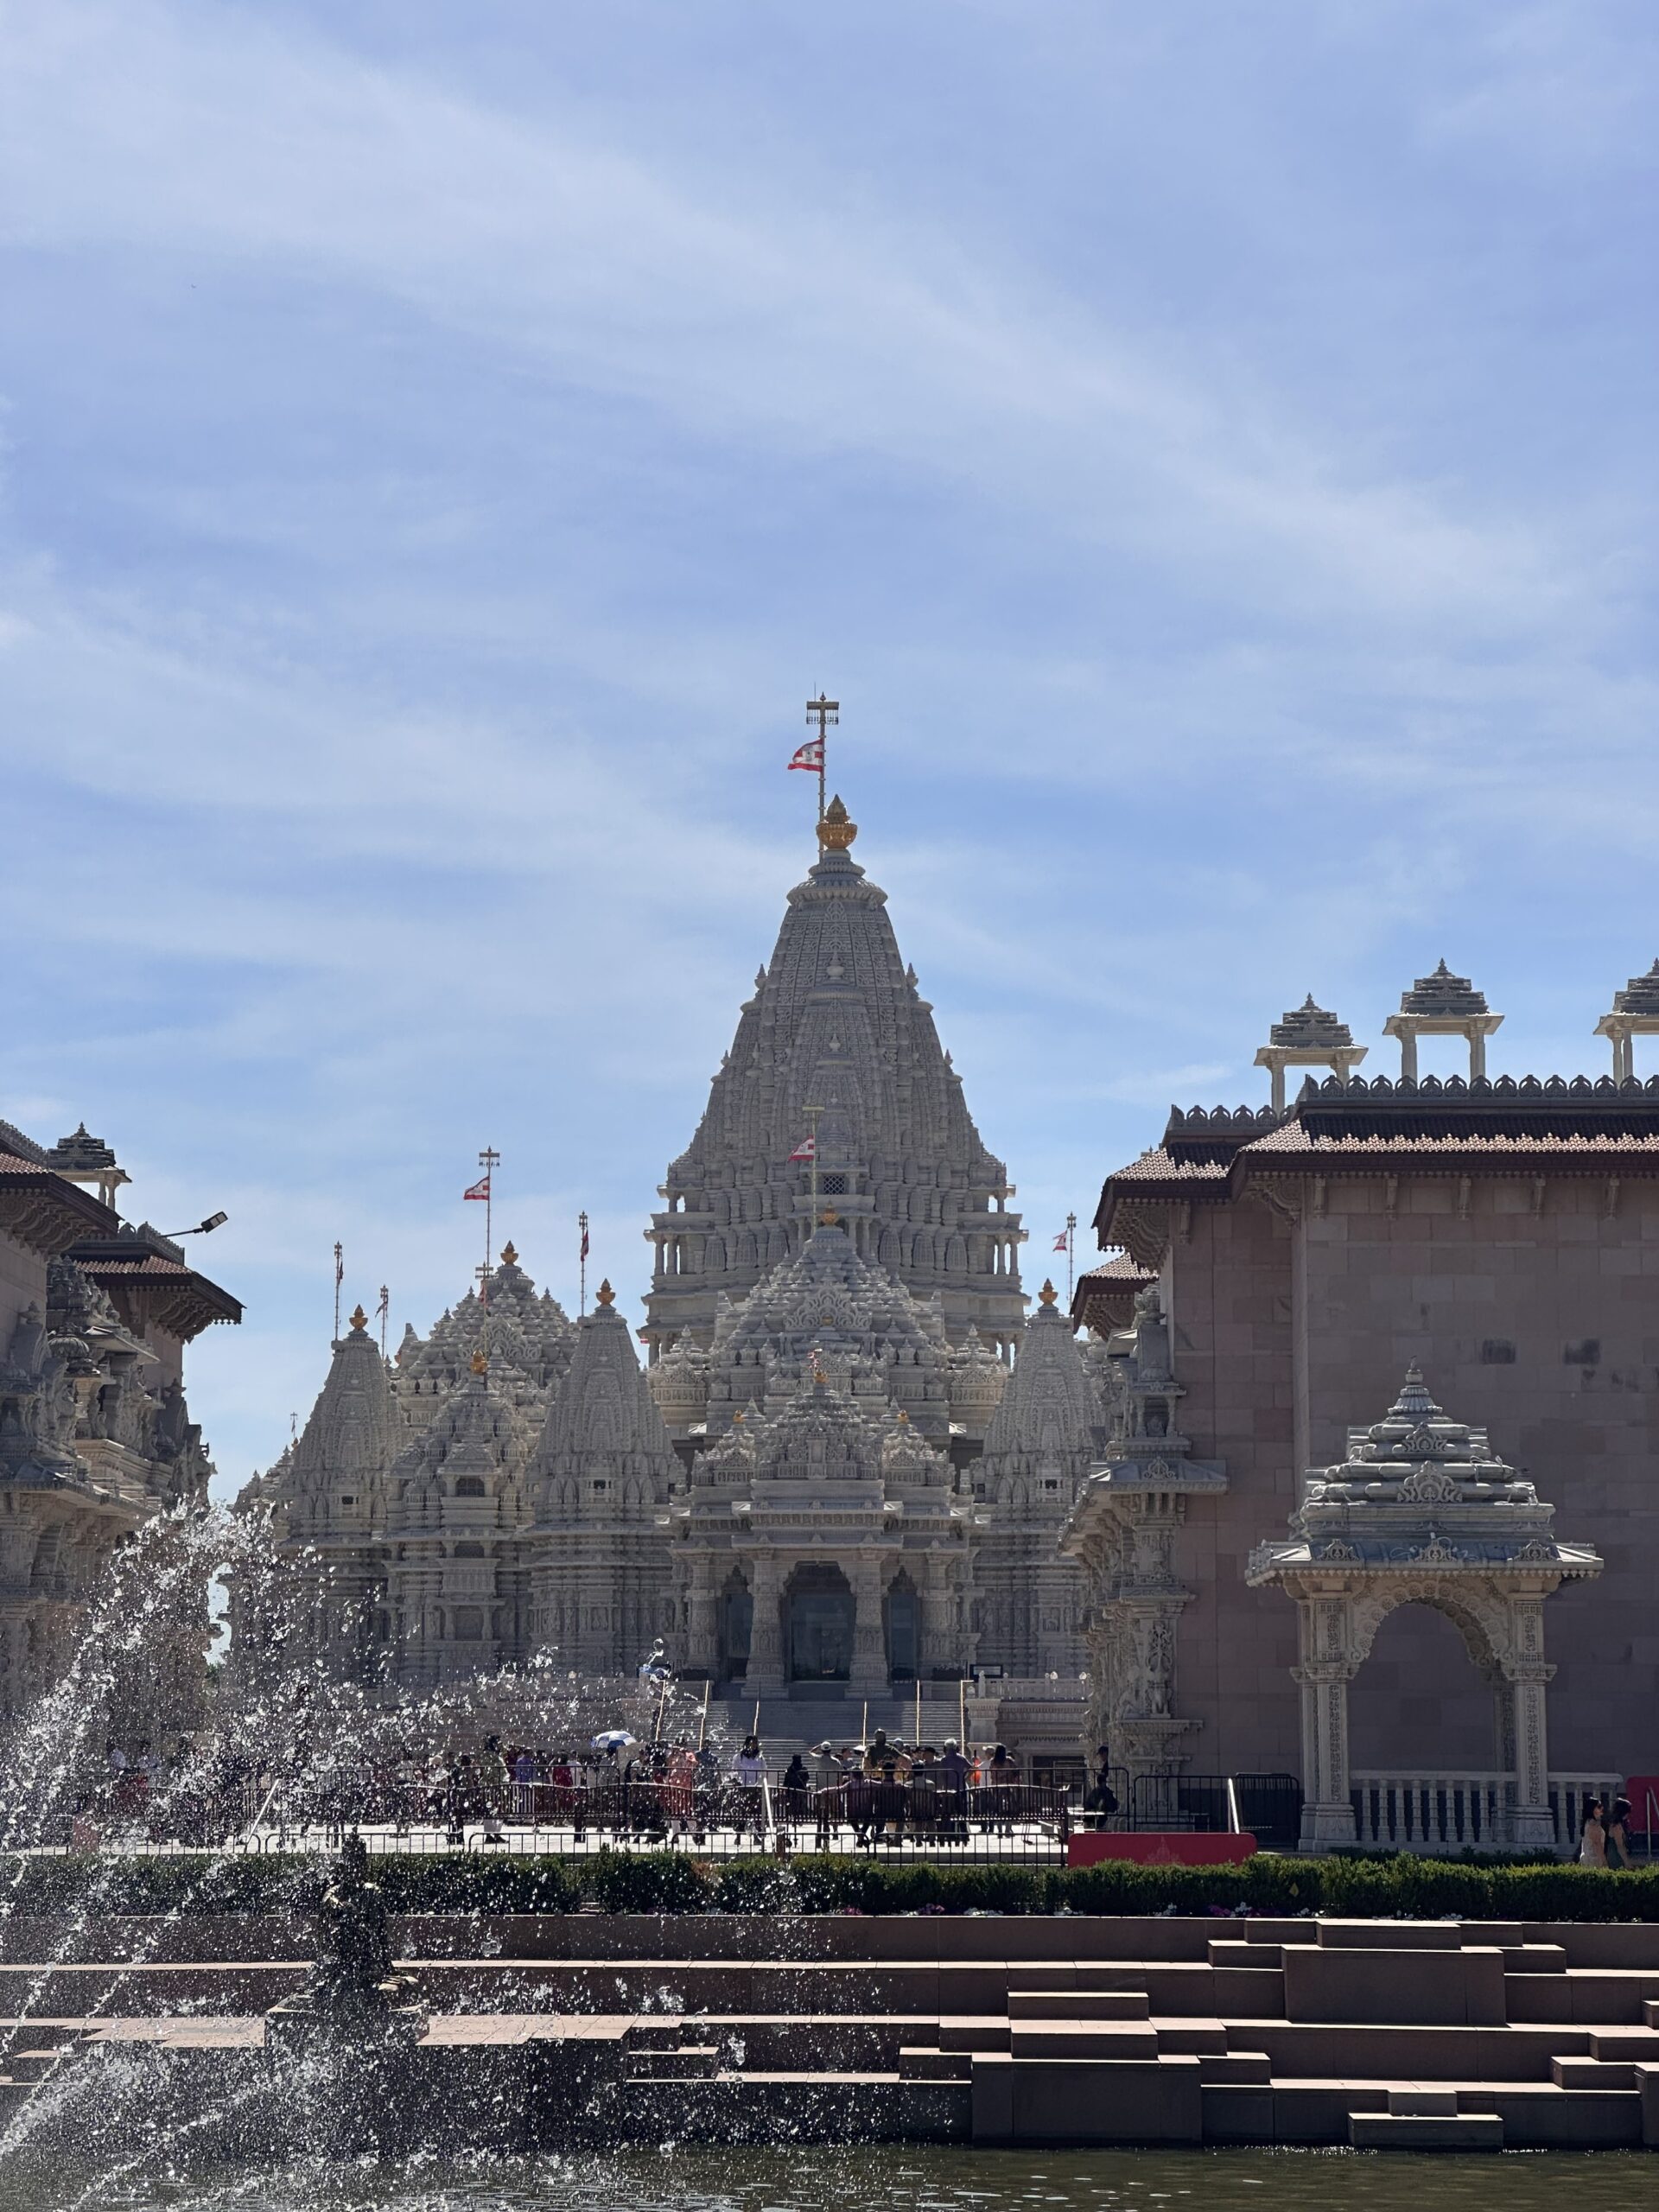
788, 1725
1375, 2036
1074, 2029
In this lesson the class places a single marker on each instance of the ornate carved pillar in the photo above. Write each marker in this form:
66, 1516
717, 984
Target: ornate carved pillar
939, 1619
1124, 1529
1503, 1737
766, 1674
869, 1668
702, 1619
1535, 1825
1326, 1670
1528, 1673
1143, 1728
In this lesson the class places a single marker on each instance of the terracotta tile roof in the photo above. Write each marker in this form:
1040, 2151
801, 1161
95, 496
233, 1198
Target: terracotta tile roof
16, 1146
151, 1264
12, 1163
1159, 1166
42, 1209
1104, 1296
1122, 1269
148, 1284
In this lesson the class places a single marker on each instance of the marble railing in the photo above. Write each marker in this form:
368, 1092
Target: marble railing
1454, 1812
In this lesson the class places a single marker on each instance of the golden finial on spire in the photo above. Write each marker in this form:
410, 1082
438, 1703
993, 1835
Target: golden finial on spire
480, 1365
360, 1321
836, 832
509, 1257
829, 1217
605, 1296
1048, 1294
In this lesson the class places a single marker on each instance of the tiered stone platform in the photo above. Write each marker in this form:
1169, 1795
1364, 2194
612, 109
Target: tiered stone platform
1071, 2030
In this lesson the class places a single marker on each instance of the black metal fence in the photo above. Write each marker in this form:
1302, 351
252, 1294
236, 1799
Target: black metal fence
1267, 1806
603, 1808
596, 1811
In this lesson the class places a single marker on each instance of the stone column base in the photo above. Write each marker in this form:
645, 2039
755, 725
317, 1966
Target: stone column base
1325, 1826
1532, 1828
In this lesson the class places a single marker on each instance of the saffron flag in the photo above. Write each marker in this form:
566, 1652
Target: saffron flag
480, 1190
584, 1240
807, 1149
1060, 1242
810, 755
339, 1267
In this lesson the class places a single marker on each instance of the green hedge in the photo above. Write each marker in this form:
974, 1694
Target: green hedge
672, 1882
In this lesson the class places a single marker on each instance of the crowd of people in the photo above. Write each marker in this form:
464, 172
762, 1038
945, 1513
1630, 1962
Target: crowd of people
881, 1791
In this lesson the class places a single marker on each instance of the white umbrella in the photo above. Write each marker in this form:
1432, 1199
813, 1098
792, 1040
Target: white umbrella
613, 1739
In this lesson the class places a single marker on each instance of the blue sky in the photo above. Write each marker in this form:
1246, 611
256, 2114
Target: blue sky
1209, 450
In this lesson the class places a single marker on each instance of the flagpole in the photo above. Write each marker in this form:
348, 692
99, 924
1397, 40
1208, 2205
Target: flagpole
385, 1309
825, 711
581, 1263
489, 1159
340, 1276
1070, 1251
812, 1114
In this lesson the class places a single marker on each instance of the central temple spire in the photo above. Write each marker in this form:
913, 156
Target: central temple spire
836, 1042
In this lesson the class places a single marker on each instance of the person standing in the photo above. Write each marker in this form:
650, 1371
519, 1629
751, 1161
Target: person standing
1593, 1835
682, 1781
493, 1778
953, 1774
749, 1764
749, 1773
1102, 1798
1618, 1835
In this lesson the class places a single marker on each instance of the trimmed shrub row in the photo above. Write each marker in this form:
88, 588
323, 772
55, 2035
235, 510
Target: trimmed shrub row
672, 1882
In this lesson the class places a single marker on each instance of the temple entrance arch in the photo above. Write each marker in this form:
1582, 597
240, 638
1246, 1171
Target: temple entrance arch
902, 1619
1422, 1512
1424, 1683
818, 1618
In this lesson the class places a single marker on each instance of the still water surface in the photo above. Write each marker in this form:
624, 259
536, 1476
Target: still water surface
857, 2178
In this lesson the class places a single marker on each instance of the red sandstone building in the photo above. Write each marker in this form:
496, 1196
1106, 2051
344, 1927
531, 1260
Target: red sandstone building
1369, 1609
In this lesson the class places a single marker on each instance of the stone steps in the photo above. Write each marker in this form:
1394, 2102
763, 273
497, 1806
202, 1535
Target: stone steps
927, 2062
1592, 2073
1410, 2132
1077, 2005
1112, 2040
1237, 2036
1626, 2043
692, 2062
1233, 2068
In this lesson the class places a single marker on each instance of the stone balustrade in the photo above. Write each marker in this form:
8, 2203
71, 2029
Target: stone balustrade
1426, 1812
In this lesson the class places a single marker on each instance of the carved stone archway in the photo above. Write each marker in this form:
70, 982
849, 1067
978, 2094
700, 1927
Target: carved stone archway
1422, 1512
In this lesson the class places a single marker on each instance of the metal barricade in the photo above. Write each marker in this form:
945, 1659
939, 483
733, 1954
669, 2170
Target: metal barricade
1270, 1808
1185, 1804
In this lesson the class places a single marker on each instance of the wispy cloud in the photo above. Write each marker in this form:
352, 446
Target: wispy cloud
431, 477
722, 297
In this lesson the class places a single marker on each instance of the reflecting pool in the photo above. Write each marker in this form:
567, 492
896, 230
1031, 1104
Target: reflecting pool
853, 2179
